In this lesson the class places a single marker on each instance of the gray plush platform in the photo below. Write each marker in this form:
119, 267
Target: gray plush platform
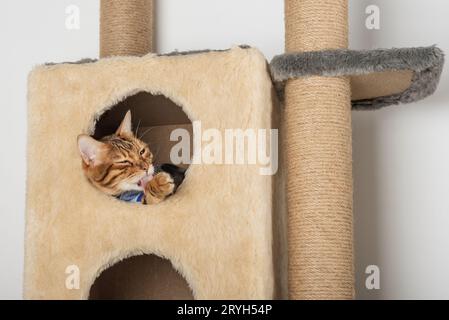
379, 78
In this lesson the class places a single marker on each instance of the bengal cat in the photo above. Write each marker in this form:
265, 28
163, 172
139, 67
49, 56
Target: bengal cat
121, 163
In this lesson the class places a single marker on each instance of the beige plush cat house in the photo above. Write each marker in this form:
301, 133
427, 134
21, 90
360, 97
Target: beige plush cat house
223, 234
217, 235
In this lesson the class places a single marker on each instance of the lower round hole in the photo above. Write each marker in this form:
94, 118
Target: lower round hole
146, 277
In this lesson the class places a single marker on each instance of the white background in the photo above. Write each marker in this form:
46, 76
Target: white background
401, 154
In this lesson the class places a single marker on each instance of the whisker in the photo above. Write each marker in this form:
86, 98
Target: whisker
155, 154
155, 149
138, 126
145, 132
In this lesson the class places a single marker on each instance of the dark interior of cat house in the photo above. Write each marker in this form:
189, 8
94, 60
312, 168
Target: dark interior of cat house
154, 117
145, 277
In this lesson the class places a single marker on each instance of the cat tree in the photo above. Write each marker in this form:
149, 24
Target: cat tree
223, 234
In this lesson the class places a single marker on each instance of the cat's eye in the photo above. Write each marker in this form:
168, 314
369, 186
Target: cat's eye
125, 162
142, 152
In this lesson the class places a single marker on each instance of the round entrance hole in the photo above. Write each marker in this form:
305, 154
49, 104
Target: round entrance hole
146, 277
154, 117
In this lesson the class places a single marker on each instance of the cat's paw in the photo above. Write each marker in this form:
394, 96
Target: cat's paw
161, 186
165, 183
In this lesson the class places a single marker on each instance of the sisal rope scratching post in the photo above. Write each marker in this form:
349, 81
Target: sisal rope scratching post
126, 27
318, 158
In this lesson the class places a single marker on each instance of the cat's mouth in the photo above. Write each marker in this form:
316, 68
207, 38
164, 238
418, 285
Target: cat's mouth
143, 182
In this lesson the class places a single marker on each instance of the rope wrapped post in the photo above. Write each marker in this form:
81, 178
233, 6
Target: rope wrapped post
126, 27
318, 156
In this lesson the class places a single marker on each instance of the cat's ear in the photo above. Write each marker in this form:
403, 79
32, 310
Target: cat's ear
90, 149
126, 126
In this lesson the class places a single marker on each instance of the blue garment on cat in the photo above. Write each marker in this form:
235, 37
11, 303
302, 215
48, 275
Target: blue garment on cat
131, 196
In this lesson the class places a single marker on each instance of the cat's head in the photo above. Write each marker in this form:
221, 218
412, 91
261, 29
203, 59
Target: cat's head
117, 163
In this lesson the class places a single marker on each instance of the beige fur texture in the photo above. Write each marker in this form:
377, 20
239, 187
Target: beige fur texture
217, 230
